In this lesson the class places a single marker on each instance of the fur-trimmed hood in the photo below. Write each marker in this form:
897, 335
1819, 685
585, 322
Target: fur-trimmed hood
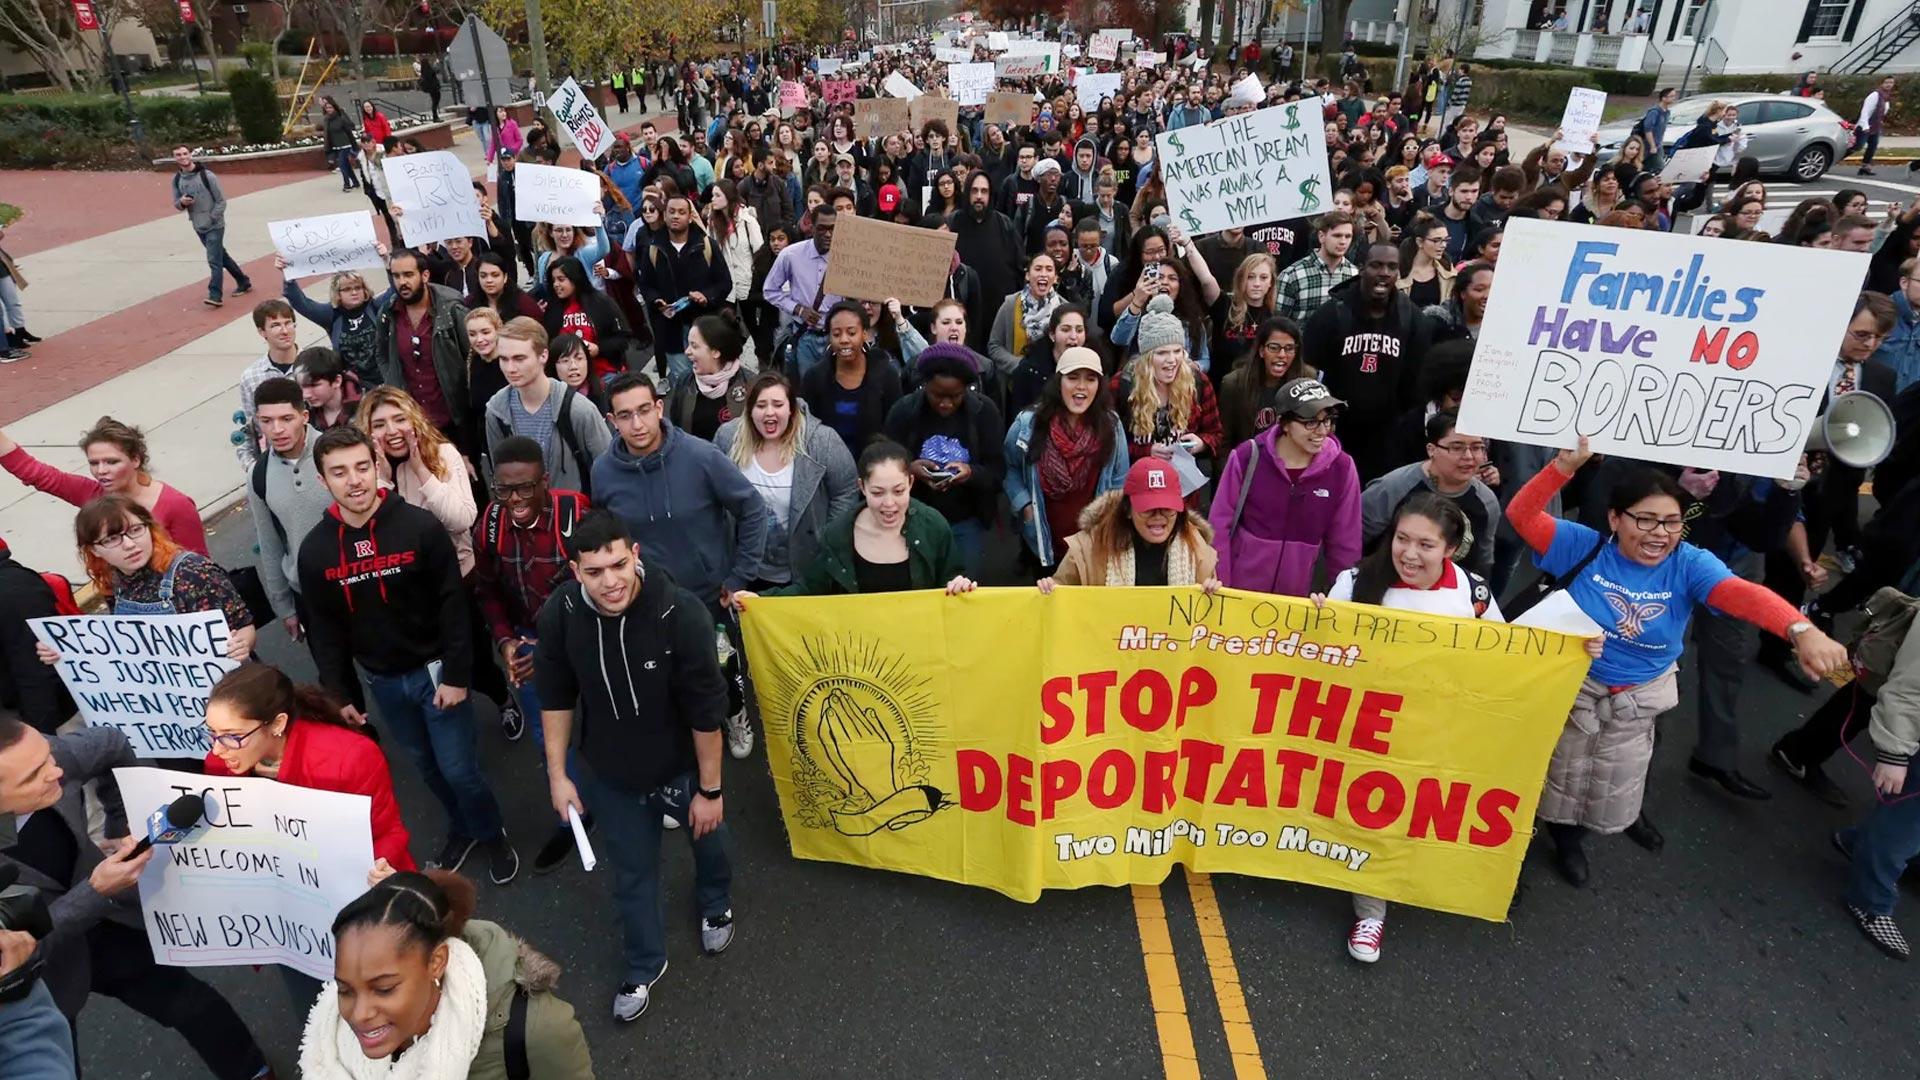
1102, 505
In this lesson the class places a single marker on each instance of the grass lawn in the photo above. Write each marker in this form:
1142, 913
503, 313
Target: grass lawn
9, 214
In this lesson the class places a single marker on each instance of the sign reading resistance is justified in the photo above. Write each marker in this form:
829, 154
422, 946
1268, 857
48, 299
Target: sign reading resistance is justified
1393, 754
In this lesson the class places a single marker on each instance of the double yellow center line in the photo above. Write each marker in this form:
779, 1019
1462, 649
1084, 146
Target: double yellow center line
1170, 1015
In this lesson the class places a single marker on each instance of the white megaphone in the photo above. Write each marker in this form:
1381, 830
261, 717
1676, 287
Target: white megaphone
1856, 430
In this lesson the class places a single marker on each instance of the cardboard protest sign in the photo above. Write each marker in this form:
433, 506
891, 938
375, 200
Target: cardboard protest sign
1688, 165
261, 880
1103, 48
434, 193
880, 116
556, 195
901, 87
1009, 108
836, 91
149, 676
969, 84
1266, 165
1380, 751
1658, 346
580, 120
793, 95
927, 108
1581, 120
328, 244
1090, 89
873, 260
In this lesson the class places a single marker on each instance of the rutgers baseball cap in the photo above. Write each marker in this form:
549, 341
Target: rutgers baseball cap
1153, 485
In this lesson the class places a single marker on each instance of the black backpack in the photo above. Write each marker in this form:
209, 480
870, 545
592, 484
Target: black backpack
569, 438
1550, 583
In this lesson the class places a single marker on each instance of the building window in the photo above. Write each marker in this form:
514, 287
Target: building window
1691, 17
1829, 17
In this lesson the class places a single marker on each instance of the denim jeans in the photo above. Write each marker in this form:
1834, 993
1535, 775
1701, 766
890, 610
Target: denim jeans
528, 695
343, 160
809, 349
969, 542
484, 132
444, 746
35, 1041
16, 315
630, 838
679, 369
215, 241
1882, 846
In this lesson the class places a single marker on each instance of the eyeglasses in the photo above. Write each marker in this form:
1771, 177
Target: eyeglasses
135, 532
1464, 449
508, 491
1279, 348
1323, 422
1647, 523
628, 416
1866, 337
235, 742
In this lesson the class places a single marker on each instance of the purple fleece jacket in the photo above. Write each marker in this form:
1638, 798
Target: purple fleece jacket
1285, 527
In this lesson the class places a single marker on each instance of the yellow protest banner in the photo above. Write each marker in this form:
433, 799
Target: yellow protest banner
1099, 736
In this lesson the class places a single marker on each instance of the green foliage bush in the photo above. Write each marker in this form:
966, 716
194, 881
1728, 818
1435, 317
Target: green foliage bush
1524, 91
90, 131
1845, 93
259, 56
256, 106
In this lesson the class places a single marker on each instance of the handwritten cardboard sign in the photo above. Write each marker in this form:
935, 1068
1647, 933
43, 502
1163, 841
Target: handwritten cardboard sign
581, 121
1688, 165
556, 195
837, 91
1091, 88
793, 95
1266, 165
1009, 108
328, 244
1103, 48
880, 116
1659, 346
874, 260
1028, 65
261, 880
1581, 120
969, 84
147, 675
435, 194
926, 108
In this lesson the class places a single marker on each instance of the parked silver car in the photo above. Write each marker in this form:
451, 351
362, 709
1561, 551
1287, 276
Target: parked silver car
1796, 137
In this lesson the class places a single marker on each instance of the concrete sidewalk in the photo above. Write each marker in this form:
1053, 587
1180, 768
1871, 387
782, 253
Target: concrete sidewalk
128, 337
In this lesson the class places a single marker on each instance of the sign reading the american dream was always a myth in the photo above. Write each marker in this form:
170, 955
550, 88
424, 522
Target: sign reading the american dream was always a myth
1659, 346
261, 881
1382, 752
147, 675
1266, 165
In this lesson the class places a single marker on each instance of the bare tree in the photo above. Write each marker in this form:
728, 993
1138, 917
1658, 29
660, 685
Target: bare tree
45, 30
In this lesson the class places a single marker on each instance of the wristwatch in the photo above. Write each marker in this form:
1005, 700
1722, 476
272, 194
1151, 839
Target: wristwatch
710, 793
1794, 630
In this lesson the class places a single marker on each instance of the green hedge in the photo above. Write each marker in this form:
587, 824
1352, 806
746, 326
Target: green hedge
1844, 93
90, 131
256, 106
1524, 91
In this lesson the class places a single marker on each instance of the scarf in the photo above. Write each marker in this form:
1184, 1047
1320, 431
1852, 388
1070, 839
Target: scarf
1120, 564
715, 385
329, 1050
1030, 316
1070, 457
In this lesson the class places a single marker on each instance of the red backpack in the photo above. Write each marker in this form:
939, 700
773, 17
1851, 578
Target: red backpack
62, 590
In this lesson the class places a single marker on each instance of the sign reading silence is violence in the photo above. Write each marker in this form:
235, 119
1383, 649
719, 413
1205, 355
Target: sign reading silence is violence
1387, 753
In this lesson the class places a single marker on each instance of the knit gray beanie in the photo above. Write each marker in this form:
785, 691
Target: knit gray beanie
1159, 327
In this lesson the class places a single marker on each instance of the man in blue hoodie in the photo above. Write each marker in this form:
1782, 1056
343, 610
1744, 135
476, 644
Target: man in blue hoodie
1901, 350
690, 509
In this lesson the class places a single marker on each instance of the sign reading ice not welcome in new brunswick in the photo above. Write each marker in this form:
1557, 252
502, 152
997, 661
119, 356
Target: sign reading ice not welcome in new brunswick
1265, 165
261, 882
1659, 346
1375, 751
147, 675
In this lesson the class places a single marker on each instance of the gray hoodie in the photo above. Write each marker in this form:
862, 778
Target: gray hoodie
589, 429
209, 209
689, 509
825, 484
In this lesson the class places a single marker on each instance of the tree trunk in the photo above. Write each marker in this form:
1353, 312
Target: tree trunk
1229, 26
1333, 27
1206, 23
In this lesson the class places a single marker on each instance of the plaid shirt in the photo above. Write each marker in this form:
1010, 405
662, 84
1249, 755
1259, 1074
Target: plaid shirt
1304, 286
516, 570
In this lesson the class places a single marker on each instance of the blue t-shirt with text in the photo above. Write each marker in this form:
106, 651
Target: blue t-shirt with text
1643, 609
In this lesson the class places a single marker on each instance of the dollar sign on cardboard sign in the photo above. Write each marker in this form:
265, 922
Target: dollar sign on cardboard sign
1293, 118
1308, 200
1193, 223
1177, 148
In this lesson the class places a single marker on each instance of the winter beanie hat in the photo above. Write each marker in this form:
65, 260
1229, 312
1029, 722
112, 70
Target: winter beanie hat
1159, 327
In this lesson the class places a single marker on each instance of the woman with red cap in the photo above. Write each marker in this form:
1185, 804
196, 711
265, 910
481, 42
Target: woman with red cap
1142, 534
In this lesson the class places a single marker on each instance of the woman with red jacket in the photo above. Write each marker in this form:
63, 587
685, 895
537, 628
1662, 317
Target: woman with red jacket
375, 123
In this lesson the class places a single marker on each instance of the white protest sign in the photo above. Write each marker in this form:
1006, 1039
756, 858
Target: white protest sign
1090, 88
147, 675
1688, 165
970, 83
827, 66
1248, 87
434, 192
1028, 66
953, 56
996, 40
581, 121
1266, 165
262, 881
556, 195
327, 244
1657, 346
1581, 120
1103, 48
1148, 59
1114, 33
901, 87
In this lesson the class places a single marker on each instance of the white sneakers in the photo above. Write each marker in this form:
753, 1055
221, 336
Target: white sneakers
1363, 944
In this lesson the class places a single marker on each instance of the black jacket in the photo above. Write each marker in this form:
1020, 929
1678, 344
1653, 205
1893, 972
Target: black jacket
878, 391
645, 680
771, 202
661, 273
1372, 365
387, 594
981, 432
992, 247
27, 684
